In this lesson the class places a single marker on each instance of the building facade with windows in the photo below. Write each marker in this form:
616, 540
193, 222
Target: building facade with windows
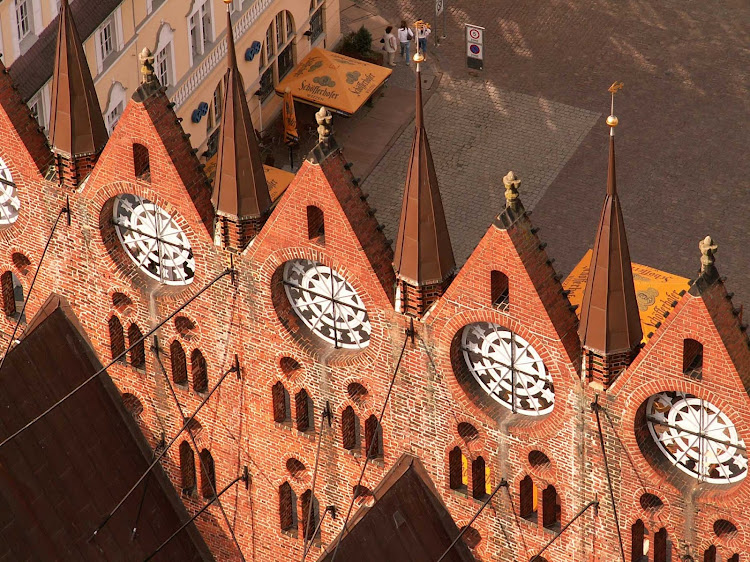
188, 43
289, 336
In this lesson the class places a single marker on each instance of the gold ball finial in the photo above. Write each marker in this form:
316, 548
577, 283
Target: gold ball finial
227, 2
418, 57
612, 121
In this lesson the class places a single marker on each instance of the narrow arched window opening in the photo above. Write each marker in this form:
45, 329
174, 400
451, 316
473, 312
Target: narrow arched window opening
499, 290
661, 546
529, 502
12, 295
208, 474
302, 410
637, 537
456, 469
200, 371
349, 428
316, 229
116, 338
287, 512
373, 438
710, 554
478, 478
280, 398
692, 358
141, 162
178, 361
551, 509
308, 528
187, 468
138, 348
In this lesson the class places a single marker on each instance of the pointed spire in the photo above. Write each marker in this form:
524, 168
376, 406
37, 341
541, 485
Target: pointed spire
76, 124
610, 325
240, 192
423, 257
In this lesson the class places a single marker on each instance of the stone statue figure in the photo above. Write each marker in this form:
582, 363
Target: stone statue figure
511, 189
325, 125
146, 58
708, 249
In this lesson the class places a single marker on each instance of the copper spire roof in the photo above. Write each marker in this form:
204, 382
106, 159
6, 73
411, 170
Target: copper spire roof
610, 321
423, 253
76, 124
240, 187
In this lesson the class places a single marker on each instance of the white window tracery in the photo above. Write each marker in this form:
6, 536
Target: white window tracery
327, 304
696, 437
9, 202
153, 240
508, 368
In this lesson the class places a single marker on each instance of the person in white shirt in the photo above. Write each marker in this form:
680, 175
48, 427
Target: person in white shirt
390, 45
405, 36
423, 32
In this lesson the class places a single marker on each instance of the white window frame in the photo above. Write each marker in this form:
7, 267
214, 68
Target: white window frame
200, 28
164, 63
33, 10
27, 8
235, 6
116, 105
114, 24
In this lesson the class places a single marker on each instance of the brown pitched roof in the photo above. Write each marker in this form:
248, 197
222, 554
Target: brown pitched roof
407, 522
76, 125
240, 187
61, 476
31, 70
610, 321
423, 254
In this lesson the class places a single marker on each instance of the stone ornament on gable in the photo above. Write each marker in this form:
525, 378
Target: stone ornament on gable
708, 248
511, 183
146, 58
325, 125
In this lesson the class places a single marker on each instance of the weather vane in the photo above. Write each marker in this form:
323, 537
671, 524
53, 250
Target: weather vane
612, 120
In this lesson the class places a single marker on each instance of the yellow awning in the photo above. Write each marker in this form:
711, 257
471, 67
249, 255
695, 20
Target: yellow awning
654, 289
278, 180
338, 82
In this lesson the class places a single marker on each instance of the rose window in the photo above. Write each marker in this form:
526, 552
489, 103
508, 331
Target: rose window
508, 368
153, 240
327, 304
9, 202
696, 437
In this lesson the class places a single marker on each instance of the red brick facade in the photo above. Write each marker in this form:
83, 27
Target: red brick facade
252, 421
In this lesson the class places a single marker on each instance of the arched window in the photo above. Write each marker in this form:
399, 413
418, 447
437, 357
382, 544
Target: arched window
373, 438
349, 428
528, 506
208, 474
692, 358
456, 462
132, 404
12, 294
317, 20
277, 53
164, 56
637, 535
287, 512
200, 371
116, 338
499, 290
187, 468
734, 558
478, 478
551, 510
121, 301
710, 554
138, 351
660, 545
305, 501
141, 162
179, 363
302, 410
280, 403
21, 262
315, 224
115, 105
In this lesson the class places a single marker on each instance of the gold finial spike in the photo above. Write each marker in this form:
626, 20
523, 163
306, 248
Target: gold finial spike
229, 4
147, 66
511, 183
612, 121
708, 248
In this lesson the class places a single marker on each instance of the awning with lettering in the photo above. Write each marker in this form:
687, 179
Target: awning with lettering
338, 82
654, 289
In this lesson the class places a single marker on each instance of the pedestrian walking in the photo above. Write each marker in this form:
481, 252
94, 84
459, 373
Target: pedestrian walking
423, 32
390, 45
405, 35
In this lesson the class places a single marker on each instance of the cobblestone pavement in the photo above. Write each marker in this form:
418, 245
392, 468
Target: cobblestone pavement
475, 130
681, 147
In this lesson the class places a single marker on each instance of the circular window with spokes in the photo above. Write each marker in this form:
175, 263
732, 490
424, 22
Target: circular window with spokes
507, 368
327, 304
696, 437
9, 202
153, 240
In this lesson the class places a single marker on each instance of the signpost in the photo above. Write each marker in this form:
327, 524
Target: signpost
474, 47
440, 9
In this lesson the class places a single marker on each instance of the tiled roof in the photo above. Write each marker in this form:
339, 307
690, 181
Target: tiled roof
59, 478
34, 68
